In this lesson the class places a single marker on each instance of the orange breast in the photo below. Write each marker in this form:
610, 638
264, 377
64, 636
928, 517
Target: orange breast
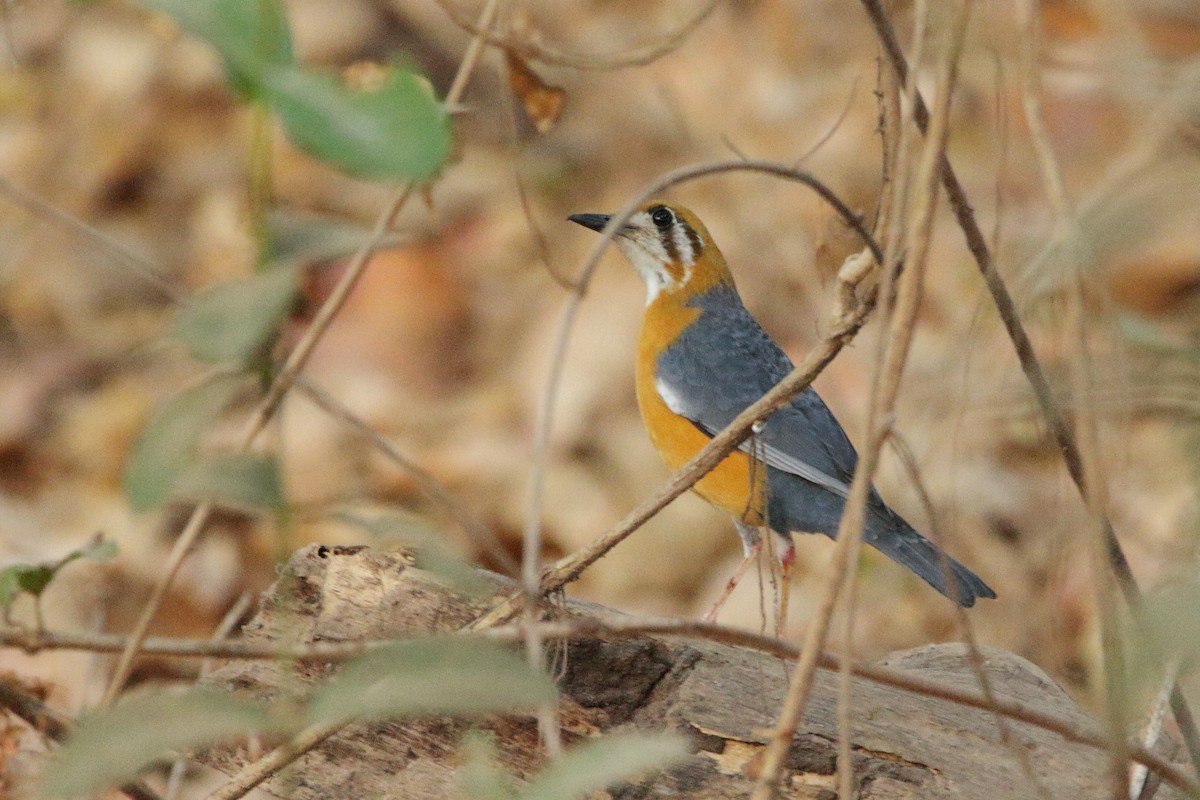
737, 484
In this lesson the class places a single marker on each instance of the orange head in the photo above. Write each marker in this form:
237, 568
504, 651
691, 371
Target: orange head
669, 247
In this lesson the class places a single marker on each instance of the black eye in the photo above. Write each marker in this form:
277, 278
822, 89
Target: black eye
662, 217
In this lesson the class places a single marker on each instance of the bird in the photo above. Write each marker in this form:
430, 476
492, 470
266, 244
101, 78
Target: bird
701, 360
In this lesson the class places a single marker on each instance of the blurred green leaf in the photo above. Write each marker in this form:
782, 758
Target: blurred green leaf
231, 322
34, 578
167, 445
112, 745
10, 585
1165, 629
252, 36
480, 777
602, 762
99, 550
295, 238
398, 130
431, 676
248, 481
31, 578
1142, 332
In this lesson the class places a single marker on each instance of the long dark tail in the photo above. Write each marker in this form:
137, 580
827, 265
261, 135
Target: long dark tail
897, 540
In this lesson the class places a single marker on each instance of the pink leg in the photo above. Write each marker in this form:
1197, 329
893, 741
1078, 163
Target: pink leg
786, 560
748, 558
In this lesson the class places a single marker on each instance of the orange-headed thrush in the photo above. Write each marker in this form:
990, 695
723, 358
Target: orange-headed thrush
701, 360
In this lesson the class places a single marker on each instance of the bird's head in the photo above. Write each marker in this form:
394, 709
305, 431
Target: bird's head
668, 246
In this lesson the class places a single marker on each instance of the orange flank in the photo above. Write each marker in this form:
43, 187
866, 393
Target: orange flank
677, 439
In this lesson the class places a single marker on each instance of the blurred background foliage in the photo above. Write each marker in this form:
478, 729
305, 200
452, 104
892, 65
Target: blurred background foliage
116, 117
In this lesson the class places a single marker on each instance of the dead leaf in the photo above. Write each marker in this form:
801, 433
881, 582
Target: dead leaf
542, 102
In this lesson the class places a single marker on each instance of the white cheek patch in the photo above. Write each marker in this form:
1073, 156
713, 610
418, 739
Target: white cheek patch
648, 256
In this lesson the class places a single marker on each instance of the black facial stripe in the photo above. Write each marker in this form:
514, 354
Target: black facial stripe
667, 236
694, 239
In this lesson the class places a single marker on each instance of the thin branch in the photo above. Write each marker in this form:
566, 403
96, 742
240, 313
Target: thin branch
534, 50
483, 536
94, 237
849, 318
974, 655
222, 631
295, 363
1056, 420
255, 773
885, 389
615, 627
55, 726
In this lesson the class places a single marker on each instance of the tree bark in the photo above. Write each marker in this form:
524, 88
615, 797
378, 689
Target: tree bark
723, 699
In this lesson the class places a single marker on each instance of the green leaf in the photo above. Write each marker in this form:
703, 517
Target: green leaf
98, 550
168, 443
252, 36
112, 745
241, 481
398, 130
431, 676
31, 578
602, 762
34, 578
10, 585
480, 777
232, 321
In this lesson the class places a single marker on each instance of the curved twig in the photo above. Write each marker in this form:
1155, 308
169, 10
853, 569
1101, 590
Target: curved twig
569, 568
548, 54
1059, 427
617, 627
283, 380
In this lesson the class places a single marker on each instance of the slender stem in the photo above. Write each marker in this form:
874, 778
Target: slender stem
1050, 408
296, 361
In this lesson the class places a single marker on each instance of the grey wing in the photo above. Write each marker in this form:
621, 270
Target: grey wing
718, 368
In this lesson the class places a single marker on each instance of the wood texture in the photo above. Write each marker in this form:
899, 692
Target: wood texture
722, 698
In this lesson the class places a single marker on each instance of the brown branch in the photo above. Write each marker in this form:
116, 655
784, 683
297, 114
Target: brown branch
473, 527
617, 627
258, 771
283, 380
846, 324
975, 658
1056, 420
885, 389
55, 726
533, 50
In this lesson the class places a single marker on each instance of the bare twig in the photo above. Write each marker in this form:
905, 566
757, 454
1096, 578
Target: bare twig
974, 654
255, 773
616, 627
483, 537
54, 726
223, 629
293, 365
1056, 420
846, 325
117, 251
533, 50
883, 397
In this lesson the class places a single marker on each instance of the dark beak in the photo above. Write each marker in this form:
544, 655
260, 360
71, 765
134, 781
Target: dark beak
594, 221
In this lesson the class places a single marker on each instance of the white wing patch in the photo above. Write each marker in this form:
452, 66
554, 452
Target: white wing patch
772, 455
